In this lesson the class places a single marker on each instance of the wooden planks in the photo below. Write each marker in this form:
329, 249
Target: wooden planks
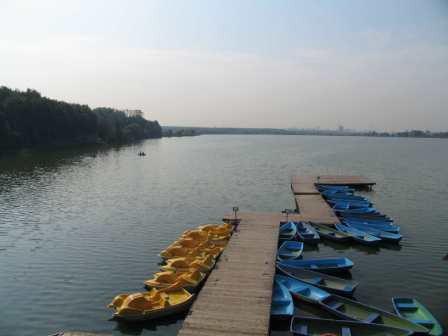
305, 184
314, 208
236, 299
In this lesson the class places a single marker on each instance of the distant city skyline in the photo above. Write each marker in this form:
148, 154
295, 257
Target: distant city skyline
365, 65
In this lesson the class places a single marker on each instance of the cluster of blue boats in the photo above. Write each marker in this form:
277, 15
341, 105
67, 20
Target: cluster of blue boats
359, 219
316, 281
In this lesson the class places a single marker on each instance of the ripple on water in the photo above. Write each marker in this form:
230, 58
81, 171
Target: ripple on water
80, 226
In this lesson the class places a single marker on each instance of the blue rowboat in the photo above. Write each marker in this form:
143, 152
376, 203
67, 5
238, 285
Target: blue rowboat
343, 210
378, 226
358, 235
282, 304
387, 236
326, 231
374, 220
349, 204
347, 199
333, 193
306, 233
377, 216
324, 281
414, 311
312, 326
290, 249
334, 187
331, 265
288, 231
345, 308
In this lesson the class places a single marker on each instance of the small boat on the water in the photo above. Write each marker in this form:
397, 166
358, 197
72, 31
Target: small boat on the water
372, 217
326, 282
290, 249
188, 280
288, 231
345, 209
368, 218
326, 231
346, 308
375, 225
307, 233
411, 309
282, 304
349, 204
312, 326
386, 236
203, 265
152, 304
331, 265
358, 235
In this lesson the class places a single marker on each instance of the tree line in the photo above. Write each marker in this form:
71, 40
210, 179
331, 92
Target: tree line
27, 119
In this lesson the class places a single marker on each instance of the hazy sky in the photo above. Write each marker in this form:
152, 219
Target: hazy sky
360, 64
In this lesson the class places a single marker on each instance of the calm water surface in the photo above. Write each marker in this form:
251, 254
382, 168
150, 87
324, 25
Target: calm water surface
80, 226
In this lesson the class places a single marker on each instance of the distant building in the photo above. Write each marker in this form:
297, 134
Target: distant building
341, 128
133, 113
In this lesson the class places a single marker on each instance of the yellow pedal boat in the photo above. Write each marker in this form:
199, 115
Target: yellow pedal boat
219, 229
203, 265
152, 304
200, 251
203, 236
177, 252
188, 243
188, 280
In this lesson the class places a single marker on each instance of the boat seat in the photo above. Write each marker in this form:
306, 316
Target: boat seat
426, 323
335, 305
403, 305
372, 318
345, 331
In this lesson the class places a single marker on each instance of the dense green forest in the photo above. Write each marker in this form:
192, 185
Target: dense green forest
27, 119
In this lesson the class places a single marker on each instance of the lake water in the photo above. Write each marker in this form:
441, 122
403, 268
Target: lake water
78, 227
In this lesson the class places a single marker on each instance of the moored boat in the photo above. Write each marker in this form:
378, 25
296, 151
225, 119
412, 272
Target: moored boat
311, 326
307, 233
203, 265
346, 308
358, 235
411, 309
290, 249
187, 280
324, 281
288, 231
331, 265
375, 225
386, 236
282, 304
326, 231
152, 304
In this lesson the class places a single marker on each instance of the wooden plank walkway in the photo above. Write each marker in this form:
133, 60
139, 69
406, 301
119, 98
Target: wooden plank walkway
313, 208
236, 299
306, 184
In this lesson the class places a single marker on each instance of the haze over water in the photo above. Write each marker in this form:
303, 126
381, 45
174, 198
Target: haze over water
79, 226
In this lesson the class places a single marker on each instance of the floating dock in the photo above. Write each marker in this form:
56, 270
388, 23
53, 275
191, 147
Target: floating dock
236, 298
306, 184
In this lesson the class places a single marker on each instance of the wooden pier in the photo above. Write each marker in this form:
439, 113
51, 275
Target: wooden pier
236, 298
306, 184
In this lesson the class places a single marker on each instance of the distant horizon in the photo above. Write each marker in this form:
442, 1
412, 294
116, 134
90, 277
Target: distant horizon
378, 65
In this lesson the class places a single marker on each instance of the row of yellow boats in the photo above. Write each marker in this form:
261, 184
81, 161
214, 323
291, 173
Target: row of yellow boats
188, 261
